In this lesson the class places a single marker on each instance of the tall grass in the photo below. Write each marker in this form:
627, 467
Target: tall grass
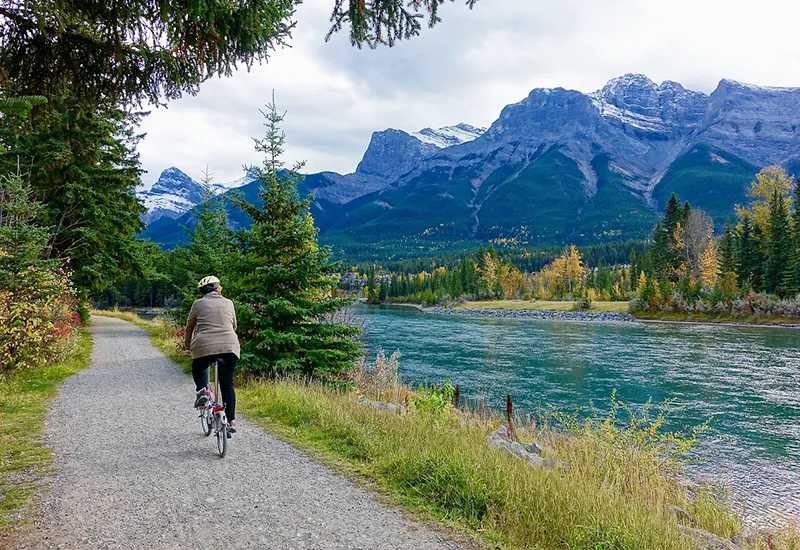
24, 458
607, 498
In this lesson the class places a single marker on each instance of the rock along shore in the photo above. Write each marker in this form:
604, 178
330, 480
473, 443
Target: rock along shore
534, 314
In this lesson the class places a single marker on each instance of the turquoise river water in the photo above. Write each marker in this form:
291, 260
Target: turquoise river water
747, 379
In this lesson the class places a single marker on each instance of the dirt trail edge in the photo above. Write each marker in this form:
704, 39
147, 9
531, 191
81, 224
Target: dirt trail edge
134, 471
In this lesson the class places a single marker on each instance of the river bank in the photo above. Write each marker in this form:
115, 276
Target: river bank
534, 314
473, 310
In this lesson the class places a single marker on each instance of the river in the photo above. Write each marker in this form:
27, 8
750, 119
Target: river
747, 379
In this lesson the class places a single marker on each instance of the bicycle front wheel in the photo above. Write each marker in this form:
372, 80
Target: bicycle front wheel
205, 422
222, 437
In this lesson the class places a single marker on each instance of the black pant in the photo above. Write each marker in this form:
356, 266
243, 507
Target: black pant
225, 370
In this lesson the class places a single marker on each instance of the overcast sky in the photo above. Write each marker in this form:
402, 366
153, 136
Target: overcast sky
466, 69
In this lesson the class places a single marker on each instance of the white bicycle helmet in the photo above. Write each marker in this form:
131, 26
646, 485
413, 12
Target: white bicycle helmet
205, 281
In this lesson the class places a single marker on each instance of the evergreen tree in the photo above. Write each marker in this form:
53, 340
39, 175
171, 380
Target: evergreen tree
383, 21
371, 288
666, 258
778, 245
81, 164
660, 250
35, 293
634, 271
383, 291
284, 284
747, 255
208, 251
792, 276
673, 214
727, 251
759, 258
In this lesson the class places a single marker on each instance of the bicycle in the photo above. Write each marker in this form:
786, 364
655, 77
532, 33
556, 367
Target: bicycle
212, 417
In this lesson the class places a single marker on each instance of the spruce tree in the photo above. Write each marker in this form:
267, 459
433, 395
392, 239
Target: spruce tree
81, 164
673, 214
283, 282
727, 251
660, 250
208, 250
634, 271
778, 245
792, 275
758, 258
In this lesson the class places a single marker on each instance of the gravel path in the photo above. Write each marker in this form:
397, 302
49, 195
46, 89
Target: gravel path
134, 471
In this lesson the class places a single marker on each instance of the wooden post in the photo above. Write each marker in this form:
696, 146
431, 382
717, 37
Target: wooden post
457, 396
509, 410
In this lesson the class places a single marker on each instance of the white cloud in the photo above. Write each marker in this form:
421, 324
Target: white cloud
464, 70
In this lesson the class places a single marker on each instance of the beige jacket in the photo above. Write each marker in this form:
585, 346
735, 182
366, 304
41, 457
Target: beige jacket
215, 320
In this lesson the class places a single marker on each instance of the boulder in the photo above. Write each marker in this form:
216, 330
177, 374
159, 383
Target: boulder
681, 515
380, 405
499, 440
706, 540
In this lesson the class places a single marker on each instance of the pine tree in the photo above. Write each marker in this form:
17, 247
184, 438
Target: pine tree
727, 251
81, 163
208, 250
792, 275
383, 21
660, 249
778, 245
666, 259
383, 291
745, 253
283, 282
759, 258
673, 214
634, 271
371, 288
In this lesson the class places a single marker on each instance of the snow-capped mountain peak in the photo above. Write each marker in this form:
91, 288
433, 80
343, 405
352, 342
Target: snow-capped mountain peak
175, 193
449, 136
638, 102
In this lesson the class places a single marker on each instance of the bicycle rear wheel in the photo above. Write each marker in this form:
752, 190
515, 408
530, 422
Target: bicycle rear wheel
205, 422
222, 437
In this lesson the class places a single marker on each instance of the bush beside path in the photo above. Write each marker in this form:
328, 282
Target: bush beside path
134, 470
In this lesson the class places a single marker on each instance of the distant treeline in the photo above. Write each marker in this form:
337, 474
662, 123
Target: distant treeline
528, 260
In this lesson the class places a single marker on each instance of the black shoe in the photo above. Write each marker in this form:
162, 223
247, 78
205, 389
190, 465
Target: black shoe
232, 427
201, 399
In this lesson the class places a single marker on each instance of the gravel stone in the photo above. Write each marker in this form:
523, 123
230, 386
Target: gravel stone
133, 470
534, 314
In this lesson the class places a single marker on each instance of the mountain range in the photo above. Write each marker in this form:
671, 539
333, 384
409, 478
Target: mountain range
558, 167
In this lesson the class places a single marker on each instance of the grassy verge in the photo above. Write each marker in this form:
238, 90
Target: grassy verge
610, 497
716, 318
617, 492
24, 459
545, 305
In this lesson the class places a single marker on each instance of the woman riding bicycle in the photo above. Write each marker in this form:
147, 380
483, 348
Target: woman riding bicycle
211, 335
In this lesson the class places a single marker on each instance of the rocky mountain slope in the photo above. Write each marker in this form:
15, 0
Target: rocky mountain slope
561, 166
391, 153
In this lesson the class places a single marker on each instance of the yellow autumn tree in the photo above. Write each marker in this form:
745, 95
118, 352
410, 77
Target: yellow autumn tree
511, 279
768, 180
564, 276
487, 273
709, 264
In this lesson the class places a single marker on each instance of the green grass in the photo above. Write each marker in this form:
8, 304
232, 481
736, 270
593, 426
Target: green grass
24, 458
544, 305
